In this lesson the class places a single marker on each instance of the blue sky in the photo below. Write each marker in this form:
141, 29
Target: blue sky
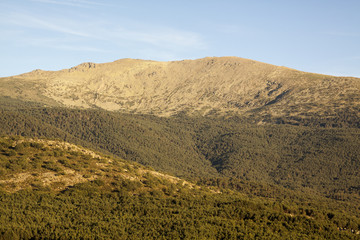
321, 36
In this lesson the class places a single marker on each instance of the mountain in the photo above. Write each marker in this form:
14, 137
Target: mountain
209, 86
283, 139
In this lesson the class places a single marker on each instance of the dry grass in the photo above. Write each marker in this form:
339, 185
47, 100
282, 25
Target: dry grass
80, 165
200, 86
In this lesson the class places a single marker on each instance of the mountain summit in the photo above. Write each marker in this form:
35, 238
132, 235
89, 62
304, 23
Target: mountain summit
208, 86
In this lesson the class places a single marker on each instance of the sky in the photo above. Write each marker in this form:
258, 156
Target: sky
320, 36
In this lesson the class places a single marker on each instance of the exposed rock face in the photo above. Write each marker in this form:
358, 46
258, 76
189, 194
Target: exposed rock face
203, 86
83, 67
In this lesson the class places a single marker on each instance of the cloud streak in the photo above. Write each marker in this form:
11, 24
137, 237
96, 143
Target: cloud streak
165, 37
31, 22
93, 30
72, 3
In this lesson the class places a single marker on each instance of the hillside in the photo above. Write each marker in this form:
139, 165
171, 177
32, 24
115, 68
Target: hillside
53, 189
305, 158
209, 148
209, 86
35, 164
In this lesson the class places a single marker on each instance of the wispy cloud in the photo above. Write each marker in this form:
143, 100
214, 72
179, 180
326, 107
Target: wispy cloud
32, 22
160, 37
72, 3
88, 33
156, 36
78, 48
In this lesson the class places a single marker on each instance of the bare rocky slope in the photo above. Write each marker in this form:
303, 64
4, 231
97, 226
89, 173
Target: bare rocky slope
208, 86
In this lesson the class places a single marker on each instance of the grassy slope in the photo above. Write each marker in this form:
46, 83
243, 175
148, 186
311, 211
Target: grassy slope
203, 86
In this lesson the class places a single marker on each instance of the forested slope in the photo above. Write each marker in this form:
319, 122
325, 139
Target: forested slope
324, 160
56, 190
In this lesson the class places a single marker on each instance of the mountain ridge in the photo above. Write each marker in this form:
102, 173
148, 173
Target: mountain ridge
208, 86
